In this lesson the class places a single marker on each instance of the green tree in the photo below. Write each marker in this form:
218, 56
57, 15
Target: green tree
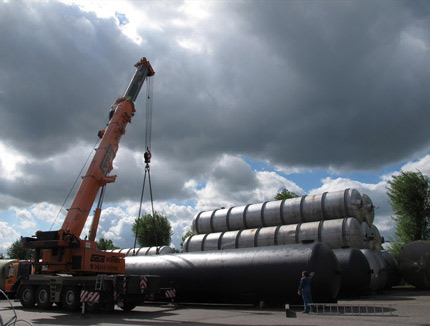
106, 244
189, 233
1, 256
285, 194
153, 230
409, 193
15, 251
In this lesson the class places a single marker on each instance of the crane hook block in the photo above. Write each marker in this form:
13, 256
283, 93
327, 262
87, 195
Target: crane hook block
147, 157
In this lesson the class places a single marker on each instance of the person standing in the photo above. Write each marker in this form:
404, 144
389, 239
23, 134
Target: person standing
305, 290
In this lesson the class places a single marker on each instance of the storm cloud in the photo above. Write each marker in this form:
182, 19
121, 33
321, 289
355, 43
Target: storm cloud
339, 85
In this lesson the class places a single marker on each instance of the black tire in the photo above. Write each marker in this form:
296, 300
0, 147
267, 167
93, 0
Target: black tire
70, 298
128, 306
27, 296
43, 299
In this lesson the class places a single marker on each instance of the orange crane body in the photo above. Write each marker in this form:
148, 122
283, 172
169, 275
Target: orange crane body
63, 251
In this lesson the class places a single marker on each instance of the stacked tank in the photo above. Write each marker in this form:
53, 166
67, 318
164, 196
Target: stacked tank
341, 219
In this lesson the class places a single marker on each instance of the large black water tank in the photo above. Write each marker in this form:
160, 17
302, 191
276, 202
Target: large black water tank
266, 273
414, 264
355, 271
394, 277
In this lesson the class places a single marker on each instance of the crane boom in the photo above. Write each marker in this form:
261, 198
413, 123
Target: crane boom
64, 248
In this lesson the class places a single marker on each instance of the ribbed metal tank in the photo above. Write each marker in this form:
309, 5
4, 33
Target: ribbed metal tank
392, 269
414, 264
355, 271
368, 210
339, 233
329, 205
377, 281
377, 239
244, 275
144, 251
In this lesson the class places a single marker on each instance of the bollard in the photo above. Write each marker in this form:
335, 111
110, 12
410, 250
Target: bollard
289, 313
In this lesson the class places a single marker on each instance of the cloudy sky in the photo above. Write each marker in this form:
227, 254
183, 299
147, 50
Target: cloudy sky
249, 97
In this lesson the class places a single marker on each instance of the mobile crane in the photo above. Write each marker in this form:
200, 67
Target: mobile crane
67, 269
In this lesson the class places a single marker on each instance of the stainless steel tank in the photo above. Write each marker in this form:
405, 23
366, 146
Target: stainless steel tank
143, 251
355, 271
339, 233
414, 264
244, 275
326, 206
368, 210
377, 239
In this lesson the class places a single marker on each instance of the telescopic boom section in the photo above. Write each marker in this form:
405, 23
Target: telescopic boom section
97, 173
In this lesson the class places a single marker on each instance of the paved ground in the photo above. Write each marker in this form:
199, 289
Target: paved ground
408, 307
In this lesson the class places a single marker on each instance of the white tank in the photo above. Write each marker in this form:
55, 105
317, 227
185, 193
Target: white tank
339, 233
326, 206
211, 241
228, 240
286, 234
342, 233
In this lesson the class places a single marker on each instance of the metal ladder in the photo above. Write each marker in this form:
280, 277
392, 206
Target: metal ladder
99, 282
350, 309
55, 289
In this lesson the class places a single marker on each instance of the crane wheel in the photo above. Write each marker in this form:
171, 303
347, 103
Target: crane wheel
43, 299
27, 296
70, 298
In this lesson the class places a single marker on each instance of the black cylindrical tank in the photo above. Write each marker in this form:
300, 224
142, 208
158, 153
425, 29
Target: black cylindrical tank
355, 271
414, 264
392, 269
266, 273
375, 268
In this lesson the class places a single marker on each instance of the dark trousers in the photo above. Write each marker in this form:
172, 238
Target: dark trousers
307, 299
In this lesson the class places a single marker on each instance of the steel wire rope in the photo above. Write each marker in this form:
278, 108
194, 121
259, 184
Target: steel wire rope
74, 183
148, 133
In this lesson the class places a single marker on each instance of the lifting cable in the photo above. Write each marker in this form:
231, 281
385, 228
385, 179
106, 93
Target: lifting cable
147, 156
74, 184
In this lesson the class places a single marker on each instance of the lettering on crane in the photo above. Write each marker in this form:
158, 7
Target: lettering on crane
98, 258
113, 259
107, 160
